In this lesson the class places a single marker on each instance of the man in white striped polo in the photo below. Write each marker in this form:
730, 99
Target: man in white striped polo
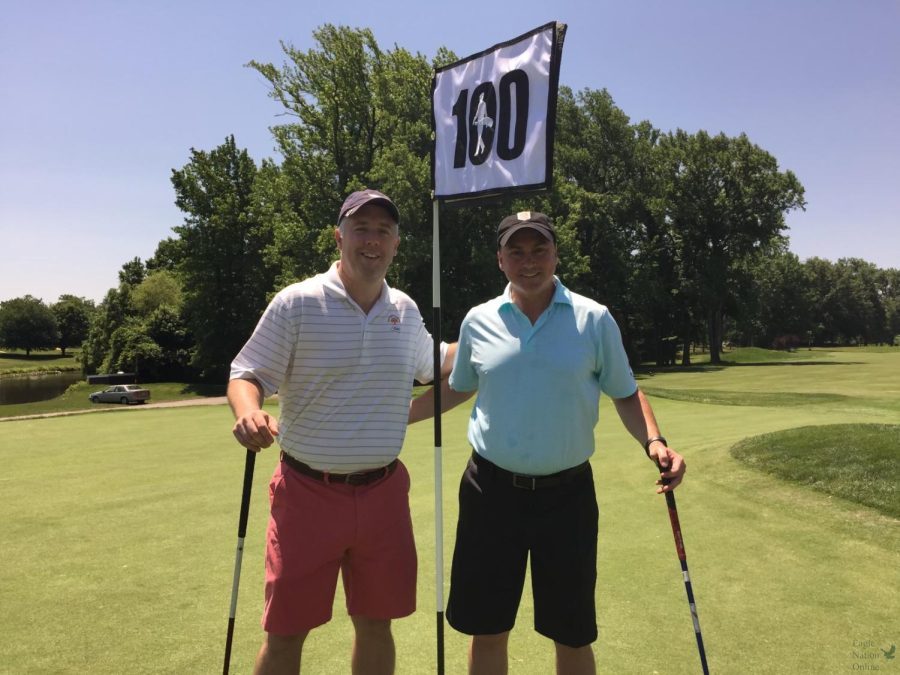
342, 350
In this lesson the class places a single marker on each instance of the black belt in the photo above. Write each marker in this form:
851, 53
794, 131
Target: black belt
357, 478
532, 482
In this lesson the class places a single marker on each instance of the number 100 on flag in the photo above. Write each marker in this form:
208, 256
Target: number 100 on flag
493, 115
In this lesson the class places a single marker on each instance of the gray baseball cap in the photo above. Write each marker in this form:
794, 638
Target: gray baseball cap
356, 200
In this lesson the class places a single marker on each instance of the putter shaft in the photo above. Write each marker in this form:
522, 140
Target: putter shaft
682, 557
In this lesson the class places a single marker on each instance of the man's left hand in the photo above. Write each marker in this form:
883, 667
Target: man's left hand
671, 466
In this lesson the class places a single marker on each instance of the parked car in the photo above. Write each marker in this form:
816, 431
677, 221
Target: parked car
121, 393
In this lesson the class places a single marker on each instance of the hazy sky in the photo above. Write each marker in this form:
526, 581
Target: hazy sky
100, 100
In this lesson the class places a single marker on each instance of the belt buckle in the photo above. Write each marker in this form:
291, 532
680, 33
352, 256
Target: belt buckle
355, 478
365, 477
524, 482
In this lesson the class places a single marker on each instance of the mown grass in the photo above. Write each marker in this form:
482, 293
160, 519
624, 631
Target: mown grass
740, 355
857, 462
861, 379
882, 349
119, 533
742, 398
76, 398
16, 362
759, 355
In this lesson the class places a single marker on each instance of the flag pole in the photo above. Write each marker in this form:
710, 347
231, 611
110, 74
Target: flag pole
438, 473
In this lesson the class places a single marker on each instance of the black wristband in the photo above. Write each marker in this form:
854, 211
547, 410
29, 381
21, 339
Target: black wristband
653, 440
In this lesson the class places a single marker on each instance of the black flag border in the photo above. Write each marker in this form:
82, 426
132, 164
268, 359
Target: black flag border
464, 198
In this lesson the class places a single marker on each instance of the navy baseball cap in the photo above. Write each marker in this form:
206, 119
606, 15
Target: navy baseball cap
522, 220
356, 200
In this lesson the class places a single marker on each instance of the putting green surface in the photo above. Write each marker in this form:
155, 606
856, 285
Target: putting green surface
118, 537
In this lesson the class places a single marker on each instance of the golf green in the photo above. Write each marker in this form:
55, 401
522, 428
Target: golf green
118, 538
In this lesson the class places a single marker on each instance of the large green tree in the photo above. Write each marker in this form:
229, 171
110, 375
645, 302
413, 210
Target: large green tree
26, 323
139, 328
889, 292
775, 302
159, 288
73, 319
855, 299
359, 117
328, 145
116, 308
222, 265
167, 329
674, 232
725, 201
603, 199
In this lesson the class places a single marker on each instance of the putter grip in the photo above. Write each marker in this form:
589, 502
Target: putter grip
665, 481
245, 493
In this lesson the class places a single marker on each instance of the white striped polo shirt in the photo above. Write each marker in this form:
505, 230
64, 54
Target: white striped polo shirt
344, 377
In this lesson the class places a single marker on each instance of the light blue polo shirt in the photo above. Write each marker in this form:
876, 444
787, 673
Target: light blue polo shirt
539, 385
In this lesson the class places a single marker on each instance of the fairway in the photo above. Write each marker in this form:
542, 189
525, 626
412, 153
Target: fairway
118, 537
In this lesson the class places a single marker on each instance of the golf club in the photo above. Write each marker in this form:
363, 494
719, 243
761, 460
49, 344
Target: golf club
679, 547
242, 531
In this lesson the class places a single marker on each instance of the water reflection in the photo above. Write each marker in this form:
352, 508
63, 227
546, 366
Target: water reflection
30, 388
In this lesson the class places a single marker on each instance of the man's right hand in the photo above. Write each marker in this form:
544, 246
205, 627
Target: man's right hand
255, 430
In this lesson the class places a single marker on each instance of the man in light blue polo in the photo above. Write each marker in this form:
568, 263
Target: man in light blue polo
539, 357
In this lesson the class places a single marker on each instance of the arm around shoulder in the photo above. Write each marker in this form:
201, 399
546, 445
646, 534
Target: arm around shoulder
422, 408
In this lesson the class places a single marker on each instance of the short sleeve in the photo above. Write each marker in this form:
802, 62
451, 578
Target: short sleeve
615, 376
267, 354
464, 377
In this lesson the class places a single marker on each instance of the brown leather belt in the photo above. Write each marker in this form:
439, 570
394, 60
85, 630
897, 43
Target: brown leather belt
532, 482
357, 478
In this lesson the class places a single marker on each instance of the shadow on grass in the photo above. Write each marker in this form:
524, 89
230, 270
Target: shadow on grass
796, 363
204, 388
743, 398
37, 358
651, 370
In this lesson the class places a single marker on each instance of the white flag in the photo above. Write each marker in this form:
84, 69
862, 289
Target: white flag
493, 116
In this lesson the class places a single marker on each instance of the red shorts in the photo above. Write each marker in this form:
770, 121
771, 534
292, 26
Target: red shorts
316, 529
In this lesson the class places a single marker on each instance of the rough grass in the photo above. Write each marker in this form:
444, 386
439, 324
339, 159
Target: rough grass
15, 362
857, 462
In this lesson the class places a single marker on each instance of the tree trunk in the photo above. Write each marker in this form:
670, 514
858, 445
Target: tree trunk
686, 349
714, 331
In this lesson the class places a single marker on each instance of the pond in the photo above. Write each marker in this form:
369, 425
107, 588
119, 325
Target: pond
29, 388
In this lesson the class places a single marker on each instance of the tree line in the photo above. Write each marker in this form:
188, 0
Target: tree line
681, 234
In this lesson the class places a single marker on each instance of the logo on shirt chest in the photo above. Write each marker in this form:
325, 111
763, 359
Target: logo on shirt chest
394, 321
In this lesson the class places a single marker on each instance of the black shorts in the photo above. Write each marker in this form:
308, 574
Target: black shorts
499, 525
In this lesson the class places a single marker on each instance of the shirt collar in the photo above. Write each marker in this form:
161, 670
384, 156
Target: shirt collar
332, 282
561, 294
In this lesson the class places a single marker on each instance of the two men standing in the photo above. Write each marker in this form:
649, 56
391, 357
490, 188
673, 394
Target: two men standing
342, 350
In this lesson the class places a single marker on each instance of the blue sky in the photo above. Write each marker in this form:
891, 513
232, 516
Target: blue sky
100, 100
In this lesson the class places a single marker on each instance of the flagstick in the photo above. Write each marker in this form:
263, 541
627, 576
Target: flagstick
438, 500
